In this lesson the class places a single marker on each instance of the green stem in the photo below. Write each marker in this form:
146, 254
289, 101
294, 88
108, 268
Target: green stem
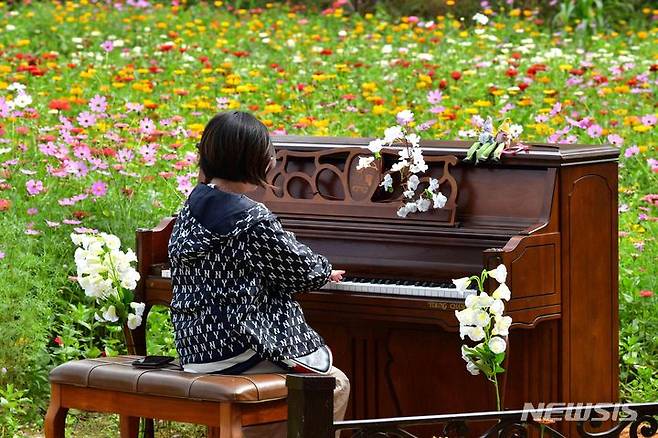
495, 382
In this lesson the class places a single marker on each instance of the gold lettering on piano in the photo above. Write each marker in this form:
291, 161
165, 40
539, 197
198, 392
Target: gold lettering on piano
445, 306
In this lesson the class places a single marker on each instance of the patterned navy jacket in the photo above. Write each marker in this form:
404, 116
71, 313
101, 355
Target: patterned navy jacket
234, 270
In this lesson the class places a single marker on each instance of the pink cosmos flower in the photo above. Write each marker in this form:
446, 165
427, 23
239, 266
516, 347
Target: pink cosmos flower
434, 97
125, 155
653, 164
84, 230
98, 104
98, 189
52, 224
639, 246
633, 150
615, 140
32, 211
2, 255
184, 184
146, 126
222, 103
556, 109
541, 118
649, 120
34, 187
71, 222
108, 46
4, 108
134, 107
86, 119
595, 131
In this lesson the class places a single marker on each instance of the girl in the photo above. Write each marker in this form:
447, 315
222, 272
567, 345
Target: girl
235, 270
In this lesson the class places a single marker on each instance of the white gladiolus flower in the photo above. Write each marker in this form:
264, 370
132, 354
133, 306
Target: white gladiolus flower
423, 204
138, 308
502, 292
110, 314
499, 274
461, 284
439, 200
412, 183
376, 145
465, 316
401, 164
476, 333
129, 280
472, 368
364, 162
502, 325
472, 302
497, 308
408, 194
497, 344
393, 133
134, 321
402, 211
484, 300
414, 139
434, 185
481, 319
112, 242
419, 165
387, 183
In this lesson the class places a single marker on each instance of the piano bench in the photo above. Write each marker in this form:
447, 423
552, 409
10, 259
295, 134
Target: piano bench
113, 385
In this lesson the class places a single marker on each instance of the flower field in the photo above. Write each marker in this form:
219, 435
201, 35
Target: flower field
101, 106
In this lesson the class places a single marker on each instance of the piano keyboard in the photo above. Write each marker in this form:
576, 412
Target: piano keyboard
390, 287
399, 287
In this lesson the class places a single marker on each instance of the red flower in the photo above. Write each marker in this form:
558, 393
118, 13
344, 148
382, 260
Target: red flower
455, 75
646, 293
58, 341
5, 204
511, 72
523, 85
348, 96
326, 52
59, 104
166, 47
79, 214
654, 67
241, 53
577, 71
443, 84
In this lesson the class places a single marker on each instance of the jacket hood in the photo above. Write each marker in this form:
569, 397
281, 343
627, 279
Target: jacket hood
223, 213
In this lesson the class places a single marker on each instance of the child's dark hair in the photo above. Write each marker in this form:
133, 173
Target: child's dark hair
235, 146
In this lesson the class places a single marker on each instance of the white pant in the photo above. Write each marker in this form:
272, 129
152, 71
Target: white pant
280, 430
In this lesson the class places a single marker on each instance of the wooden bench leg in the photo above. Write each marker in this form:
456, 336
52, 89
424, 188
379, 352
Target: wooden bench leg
230, 421
149, 428
214, 432
55, 423
128, 426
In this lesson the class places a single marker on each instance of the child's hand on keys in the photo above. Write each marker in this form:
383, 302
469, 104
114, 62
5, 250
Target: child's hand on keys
336, 276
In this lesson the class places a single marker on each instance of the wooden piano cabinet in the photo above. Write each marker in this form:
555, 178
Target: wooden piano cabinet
550, 215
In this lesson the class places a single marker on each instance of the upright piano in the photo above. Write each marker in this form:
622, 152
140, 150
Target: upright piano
549, 214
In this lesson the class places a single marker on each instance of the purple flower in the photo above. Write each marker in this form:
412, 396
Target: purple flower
32, 211
98, 104
125, 155
639, 246
134, 107
222, 102
108, 46
434, 97
649, 120
426, 125
615, 140
595, 131
541, 118
633, 150
71, 222
84, 230
2, 255
34, 187
184, 184
86, 119
98, 189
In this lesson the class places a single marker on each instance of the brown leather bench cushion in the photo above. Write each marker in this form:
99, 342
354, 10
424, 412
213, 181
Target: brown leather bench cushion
117, 374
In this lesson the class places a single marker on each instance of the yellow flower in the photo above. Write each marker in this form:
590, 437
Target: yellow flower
378, 109
482, 103
641, 128
369, 86
273, 108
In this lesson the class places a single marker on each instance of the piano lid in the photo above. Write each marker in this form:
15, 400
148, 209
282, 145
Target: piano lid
539, 155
